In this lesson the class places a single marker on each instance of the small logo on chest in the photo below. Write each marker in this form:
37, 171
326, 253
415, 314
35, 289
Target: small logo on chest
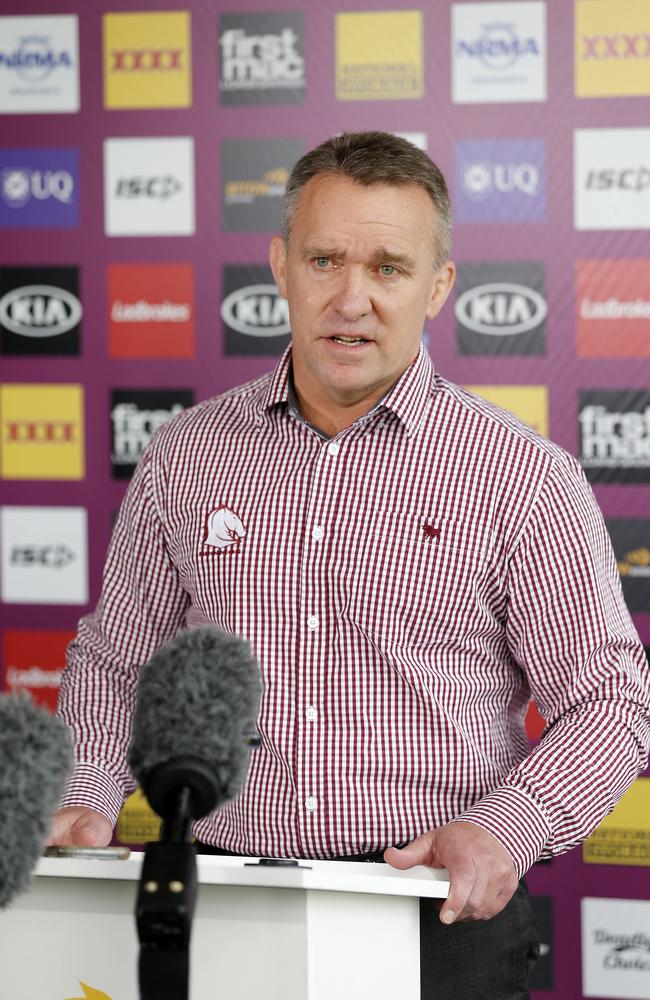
430, 532
224, 529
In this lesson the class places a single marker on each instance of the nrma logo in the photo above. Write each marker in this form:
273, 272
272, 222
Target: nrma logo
499, 46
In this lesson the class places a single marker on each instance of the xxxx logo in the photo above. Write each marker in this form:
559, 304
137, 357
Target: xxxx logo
616, 46
132, 60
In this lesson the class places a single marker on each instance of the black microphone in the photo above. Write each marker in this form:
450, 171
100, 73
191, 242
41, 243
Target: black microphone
36, 761
197, 704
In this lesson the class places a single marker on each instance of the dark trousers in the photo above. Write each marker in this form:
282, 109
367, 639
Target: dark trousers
474, 959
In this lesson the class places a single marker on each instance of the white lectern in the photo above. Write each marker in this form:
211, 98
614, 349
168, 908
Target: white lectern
322, 930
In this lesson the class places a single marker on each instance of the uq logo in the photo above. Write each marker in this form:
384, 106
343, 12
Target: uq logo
39, 188
18, 186
500, 180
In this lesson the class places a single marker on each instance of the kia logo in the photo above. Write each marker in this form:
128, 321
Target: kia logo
39, 311
257, 311
500, 308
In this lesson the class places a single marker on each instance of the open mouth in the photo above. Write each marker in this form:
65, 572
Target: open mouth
350, 341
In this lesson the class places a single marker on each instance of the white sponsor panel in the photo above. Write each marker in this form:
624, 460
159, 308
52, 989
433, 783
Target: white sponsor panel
39, 64
418, 139
616, 948
498, 52
43, 558
612, 178
149, 186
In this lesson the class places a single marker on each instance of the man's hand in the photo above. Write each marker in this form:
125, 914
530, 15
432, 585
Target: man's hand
482, 873
80, 827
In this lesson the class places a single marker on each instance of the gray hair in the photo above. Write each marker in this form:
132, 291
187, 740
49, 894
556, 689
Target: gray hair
374, 158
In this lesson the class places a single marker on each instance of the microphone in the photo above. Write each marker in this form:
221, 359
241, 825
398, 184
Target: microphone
36, 761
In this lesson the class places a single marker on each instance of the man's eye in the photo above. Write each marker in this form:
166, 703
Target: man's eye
322, 262
388, 270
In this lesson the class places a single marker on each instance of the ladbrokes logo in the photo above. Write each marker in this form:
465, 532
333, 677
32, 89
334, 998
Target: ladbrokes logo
500, 180
613, 308
39, 64
40, 311
255, 317
612, 178
33, 661
612, 48
149, 186
501, 308
379, 56
498, 52
151, 310
615, 948
135, 415
42, 432
39, 188
147, 60
262, 59
615, 435
255, 173
43, 555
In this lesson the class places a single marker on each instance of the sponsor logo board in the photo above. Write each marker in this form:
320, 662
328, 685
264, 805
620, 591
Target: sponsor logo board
254, 175
631, 541
379, 56
33, 661
614, 431
39, 188
498, 52
612, 48
528, 402
613, 308
501, 308
147, 61
615, 948
42, 432
135, 415
262, 58
40, 311
39, 64
612, 178
137, 822
542, 977
43, 555
151, 311
149, 186
623, 837
255, 317
417, 139
500, 180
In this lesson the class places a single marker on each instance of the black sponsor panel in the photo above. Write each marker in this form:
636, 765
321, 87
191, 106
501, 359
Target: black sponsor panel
40, 311
614, 431
254, 174
135, 415
543, 974
262, 58
501, 308
631, 541
255, 317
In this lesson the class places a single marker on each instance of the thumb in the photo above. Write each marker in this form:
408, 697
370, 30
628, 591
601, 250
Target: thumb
87, 832
418, 852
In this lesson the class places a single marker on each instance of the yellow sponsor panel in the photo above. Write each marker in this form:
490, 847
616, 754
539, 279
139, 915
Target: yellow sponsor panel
42, 432
528, 402
612, 48
623, 838
137, 822
379, 56
147, 60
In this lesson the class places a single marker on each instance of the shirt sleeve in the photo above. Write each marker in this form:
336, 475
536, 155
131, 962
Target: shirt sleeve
142, 606
570, 632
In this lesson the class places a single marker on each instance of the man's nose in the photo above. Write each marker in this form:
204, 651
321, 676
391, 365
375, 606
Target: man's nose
352, 300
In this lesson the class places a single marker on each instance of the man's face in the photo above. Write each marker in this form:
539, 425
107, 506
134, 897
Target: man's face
358, 274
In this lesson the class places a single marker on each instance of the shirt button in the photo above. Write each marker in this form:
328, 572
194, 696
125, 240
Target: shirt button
333, 449
311, 713
311, 803
317, 533
312, 623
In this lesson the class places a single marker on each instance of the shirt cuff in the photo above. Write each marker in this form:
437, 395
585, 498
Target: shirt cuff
91, 787
516, 820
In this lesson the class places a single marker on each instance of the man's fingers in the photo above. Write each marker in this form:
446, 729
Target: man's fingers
462, 884
419, 852
79, 827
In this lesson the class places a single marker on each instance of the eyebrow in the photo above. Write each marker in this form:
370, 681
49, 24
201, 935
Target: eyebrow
380, 256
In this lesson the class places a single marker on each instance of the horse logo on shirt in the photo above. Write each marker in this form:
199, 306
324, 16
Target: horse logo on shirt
223, 529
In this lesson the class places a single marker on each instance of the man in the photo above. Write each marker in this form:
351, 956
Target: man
409, 562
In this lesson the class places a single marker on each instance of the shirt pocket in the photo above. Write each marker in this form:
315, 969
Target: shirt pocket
419, 579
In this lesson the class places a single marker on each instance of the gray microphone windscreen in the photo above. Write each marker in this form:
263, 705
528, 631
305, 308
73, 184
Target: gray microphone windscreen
35, 762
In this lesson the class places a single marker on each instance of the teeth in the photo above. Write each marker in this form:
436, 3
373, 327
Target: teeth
348, 340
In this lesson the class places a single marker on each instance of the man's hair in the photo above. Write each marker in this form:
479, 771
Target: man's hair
374, 158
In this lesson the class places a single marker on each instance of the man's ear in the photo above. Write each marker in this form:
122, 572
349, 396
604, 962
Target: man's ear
278, 262
442, 285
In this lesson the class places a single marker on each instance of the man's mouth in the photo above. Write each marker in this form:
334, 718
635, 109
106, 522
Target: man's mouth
349, 341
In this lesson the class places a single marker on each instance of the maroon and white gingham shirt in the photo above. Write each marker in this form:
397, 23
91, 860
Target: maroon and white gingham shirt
406, 585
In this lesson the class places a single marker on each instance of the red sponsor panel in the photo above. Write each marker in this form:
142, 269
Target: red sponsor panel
151, 311
535, 724
613, 308
33, 661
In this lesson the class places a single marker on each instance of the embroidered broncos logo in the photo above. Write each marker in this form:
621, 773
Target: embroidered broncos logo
223, 528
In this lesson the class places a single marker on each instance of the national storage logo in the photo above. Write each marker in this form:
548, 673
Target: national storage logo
612, 48
379, 56
151, 311
43, 555
39, 188
147, 62
528, 402
254, 175
501, 308
149, 186
261, 58
135, 416
40, 311
500, 180
39, 64
255, 317
614, 426
42, 432
623, 837
498, 52
613, 308
612, 178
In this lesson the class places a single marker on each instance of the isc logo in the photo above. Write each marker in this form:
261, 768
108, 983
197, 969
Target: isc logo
148, 187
